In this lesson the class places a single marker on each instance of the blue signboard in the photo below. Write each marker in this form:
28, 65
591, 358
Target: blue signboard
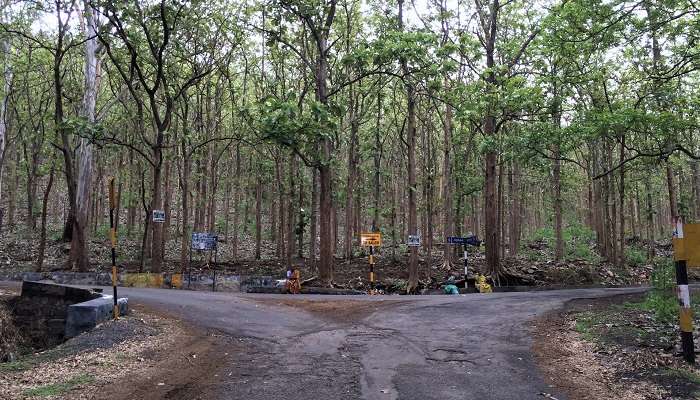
204, 241
471, 240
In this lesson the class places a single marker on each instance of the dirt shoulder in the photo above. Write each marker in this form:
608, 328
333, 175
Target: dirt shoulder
612, 348
145, 355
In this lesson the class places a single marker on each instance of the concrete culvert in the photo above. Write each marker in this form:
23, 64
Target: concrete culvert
10, 338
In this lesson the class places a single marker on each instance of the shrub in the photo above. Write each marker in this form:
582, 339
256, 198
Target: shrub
635, 257
661, 299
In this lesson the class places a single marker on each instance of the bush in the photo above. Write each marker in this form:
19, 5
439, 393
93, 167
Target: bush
582, 251
635, 257
661, 299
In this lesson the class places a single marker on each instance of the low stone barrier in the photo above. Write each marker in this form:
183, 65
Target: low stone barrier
51, 313
84, 316
212, 281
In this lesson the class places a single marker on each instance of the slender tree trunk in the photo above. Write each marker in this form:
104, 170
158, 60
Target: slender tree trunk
236, 204
313, 232
157, 204
350, 187
258, 217
377, 166
184, 199
672, 196
556, 176
448, 218
44, 207
515, 212
7, 74
291, 212
651, 237
621, 211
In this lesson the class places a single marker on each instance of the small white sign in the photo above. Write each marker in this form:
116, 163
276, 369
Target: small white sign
158, 216
413, 241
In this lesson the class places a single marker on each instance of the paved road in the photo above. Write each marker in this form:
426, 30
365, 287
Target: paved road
393, 347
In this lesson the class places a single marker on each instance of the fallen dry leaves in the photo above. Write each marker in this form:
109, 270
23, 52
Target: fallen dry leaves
91, 368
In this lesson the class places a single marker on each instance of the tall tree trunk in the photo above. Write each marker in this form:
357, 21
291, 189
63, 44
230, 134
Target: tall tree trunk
236, 204
7, 75
377, 166
411, 149
621, 211
184, 199
79, 252
493, 260
291, 211
352, 176
556, 175
157, 204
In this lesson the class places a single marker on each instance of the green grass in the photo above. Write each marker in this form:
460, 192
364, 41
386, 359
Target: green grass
15, 366
56, 389
29, 361
585, 324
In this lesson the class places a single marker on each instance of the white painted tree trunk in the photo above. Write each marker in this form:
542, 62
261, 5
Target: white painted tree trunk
85, 151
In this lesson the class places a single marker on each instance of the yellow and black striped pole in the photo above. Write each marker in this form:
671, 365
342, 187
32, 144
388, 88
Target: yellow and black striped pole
686, 313
371, 269
113, 240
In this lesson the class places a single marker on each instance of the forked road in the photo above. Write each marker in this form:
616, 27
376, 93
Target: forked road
395, 347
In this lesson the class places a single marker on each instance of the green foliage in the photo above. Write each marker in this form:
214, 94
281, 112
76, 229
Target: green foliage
661, 299
577, 238
635, 257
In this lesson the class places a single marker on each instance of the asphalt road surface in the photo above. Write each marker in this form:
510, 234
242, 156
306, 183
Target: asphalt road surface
361, 347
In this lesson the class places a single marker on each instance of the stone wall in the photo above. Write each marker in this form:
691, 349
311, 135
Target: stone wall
42, 310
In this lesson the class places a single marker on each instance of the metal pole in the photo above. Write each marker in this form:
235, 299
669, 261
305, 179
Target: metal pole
371, 268
466, 268
686, 313
113, 240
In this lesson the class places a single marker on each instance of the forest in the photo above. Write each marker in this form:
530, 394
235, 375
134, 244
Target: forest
289, 127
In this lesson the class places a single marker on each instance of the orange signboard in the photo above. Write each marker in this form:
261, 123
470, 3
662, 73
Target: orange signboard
370, 239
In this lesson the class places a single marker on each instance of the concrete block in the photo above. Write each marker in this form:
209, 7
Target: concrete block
84, 316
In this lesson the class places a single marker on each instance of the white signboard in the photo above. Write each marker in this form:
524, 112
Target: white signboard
413, 241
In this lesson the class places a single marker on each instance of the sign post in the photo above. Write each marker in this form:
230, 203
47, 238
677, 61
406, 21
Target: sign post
464, 241
113, 241
681, 245
371, 240
203, 241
